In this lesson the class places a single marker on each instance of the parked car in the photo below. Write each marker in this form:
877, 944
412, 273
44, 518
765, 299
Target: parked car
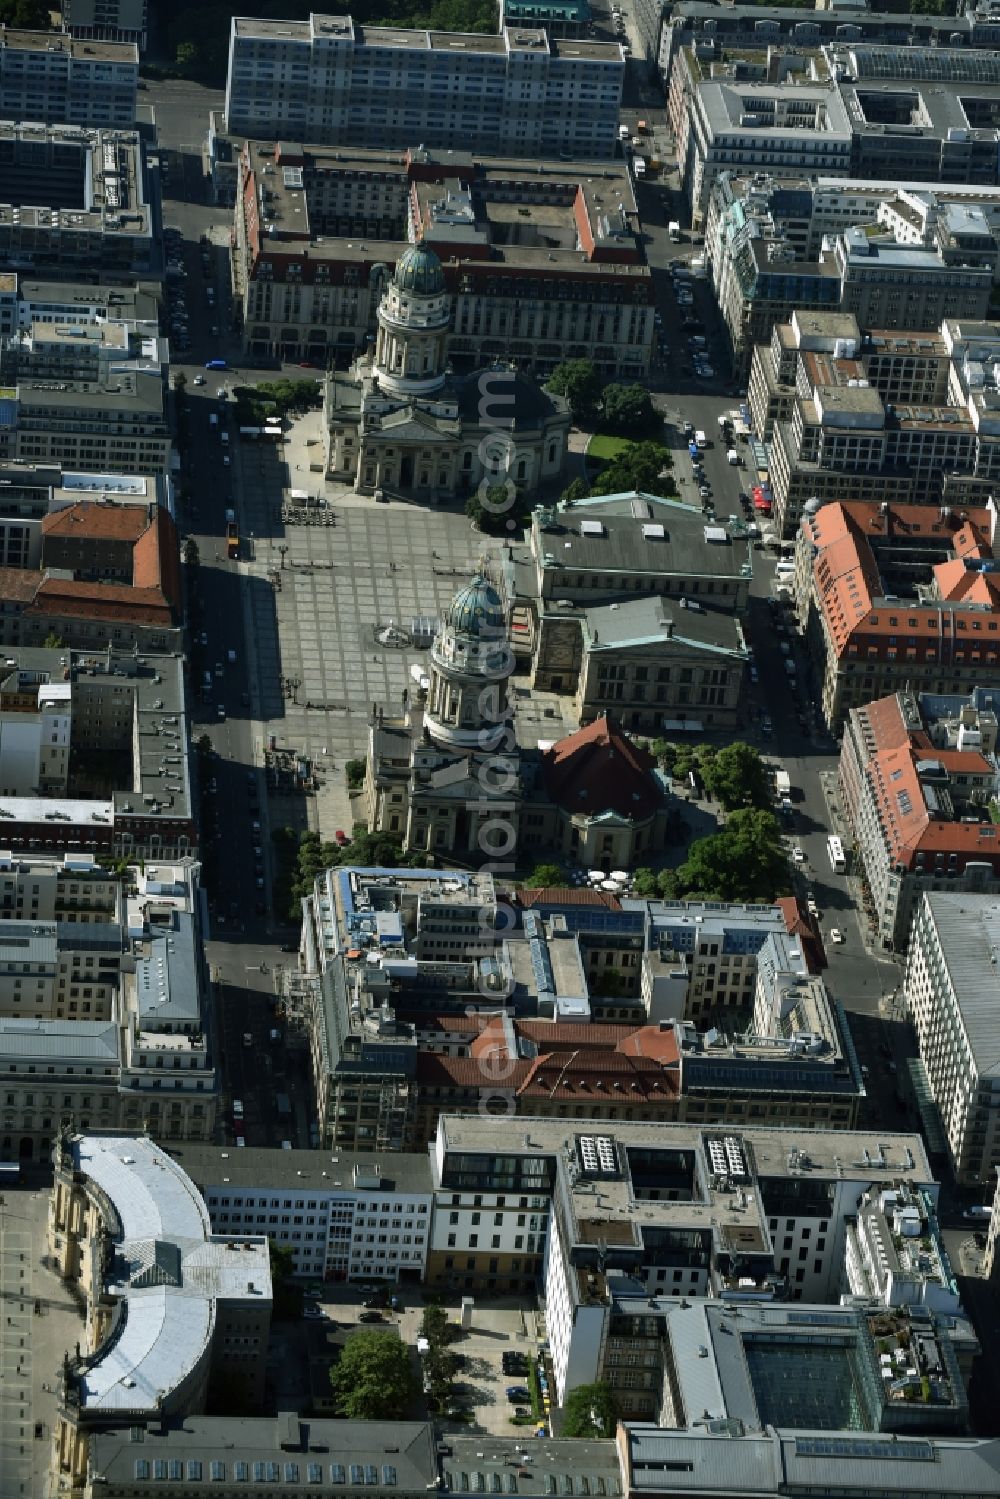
518, 1394
836, 936
370, 1317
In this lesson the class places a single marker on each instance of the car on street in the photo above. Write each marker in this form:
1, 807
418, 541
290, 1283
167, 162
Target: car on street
798, 856
220, 711
370, 1317
225, 460
203, 638
289, 947
812, 907
836, 936
519, 1394
754, 674
199, 379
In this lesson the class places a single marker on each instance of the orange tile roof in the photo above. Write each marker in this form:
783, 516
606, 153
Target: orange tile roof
109, 601
155, 559
107, 522
849, 590
650, 1041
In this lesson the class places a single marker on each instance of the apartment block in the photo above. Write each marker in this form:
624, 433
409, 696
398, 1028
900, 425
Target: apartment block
52, 76
918, 773
30, 492
539, 258
950, 989
72, 889
890, 597
192, 1315
330, 80
345, 1218
107, 20
75, 201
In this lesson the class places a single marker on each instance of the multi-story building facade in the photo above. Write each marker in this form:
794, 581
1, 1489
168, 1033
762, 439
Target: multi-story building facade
680, 1209
541, 261
896, 1255
104, 1016
118, 422
364, 1220
949, 988
107, 20
191, 1317
76, 201
890, 597
778, 247
519, 93
29, 492
849, 114
917, 776
51, 76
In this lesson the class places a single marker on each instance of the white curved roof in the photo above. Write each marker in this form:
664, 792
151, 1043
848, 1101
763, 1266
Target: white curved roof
168, 1271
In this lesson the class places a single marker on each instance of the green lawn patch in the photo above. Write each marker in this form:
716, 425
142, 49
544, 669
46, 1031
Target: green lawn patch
604, 447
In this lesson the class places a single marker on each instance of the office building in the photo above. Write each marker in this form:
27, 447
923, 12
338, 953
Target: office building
347, 1217
892, 259
27, 304
172, 1312
918, 774
106, 20
75, 201
540, 259
127, 726
683, 1209
99, 1011
745, 30
519, 93
951, 995
895, 596
54, 77
811, 1367
400, 423
118, 422
30, 492
895, 1253
898, 416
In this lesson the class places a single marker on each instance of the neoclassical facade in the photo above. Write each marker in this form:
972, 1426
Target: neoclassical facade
399, 422
448, 776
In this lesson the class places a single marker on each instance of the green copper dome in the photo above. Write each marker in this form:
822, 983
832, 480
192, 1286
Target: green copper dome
418, 270
476, 609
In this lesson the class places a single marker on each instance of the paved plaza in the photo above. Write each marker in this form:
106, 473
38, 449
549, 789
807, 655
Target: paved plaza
321, 594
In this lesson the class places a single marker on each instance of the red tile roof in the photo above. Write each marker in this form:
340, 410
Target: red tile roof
107, 522
156, 559
597, 770
566, 895
799, 924
112, 601
650, 1041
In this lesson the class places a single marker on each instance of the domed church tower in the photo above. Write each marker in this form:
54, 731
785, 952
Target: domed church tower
413, 318
470, 655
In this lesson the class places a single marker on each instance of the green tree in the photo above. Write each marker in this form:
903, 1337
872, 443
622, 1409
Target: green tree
187, 54
498, 511
637, 466
743, 861
372, 1379
435, 1327
180, 380
579, 382
191, 554
644, 882
355, 772
575, 490
590, 1411
53, 642
736, 775
545, 874
628, 408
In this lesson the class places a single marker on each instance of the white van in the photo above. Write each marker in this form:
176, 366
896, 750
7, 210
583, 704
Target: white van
623, 133
732, 457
